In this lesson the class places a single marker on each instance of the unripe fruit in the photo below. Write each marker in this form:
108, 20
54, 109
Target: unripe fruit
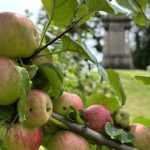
96, 116
9, 82
121, 118
67, 140
20, 137
18, 36
66, 100
142, 136
38, 110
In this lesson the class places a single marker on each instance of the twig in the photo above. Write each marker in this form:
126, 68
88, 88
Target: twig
96, 137
59, 36
15, 118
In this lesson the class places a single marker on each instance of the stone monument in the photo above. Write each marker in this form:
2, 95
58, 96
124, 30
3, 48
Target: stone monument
116, 50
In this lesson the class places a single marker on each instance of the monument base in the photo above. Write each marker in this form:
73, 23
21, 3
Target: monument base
117, 62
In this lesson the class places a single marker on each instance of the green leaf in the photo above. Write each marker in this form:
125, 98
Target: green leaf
81, 11
54, 76
134, 6
143, 4
74, 115
115, 83
125, 137
112, 131
70, 45
117, 10
61, 11
32, 70
49, 7
99, 5
140, 19
144, 79
25, 88
126, 4
142, 120
118, 134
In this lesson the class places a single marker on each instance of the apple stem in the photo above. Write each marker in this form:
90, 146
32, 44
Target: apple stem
15, 118
96, 137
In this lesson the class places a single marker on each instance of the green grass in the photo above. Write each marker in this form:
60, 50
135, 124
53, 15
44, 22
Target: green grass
138, 94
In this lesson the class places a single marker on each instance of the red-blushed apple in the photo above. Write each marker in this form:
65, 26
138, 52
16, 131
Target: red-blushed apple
9, 82
142, 136
67, 140
39, 109
20, 137
18, 36
96, 116
66, 100
121, 118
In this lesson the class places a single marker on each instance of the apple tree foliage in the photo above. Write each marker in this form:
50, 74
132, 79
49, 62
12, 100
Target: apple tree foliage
65, 16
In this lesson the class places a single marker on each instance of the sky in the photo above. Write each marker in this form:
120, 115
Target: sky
19, 6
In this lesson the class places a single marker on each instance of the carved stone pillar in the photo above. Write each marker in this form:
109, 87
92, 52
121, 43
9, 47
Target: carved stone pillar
116, 48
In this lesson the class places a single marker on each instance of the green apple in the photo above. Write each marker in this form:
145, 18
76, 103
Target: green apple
38, 109
66, 100
9, 82
20, 137
96, 116
142, 136
18, 36
122, 118
67, 140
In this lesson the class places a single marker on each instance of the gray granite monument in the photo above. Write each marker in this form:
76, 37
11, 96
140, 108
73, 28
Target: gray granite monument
116, 50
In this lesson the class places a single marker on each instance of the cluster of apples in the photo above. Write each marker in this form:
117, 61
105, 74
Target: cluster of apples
95, 117
18, 40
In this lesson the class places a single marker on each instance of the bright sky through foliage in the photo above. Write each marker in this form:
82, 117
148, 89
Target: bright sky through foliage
19, 6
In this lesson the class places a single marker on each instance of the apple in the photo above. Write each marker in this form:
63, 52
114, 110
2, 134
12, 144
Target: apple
9, 77
142, 136
121, 118
67, 140
20, 137
96, 116
66, 100
18, 36
38, 109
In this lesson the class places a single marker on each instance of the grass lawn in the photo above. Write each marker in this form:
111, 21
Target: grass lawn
138, 94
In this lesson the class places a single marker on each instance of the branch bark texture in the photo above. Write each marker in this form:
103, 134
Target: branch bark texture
96, 137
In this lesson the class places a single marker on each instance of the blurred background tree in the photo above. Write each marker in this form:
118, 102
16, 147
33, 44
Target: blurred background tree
141, 55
